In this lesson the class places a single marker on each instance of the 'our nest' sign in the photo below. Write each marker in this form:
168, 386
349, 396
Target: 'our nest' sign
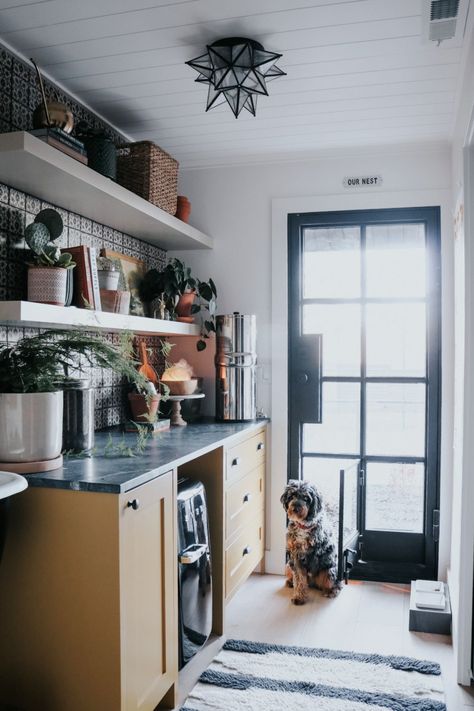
362, 181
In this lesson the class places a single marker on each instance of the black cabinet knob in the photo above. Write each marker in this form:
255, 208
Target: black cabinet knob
133, 504
247, 497
260, 446
236, 462
247, 550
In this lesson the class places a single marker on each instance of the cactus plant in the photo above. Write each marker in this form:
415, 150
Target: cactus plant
52, 220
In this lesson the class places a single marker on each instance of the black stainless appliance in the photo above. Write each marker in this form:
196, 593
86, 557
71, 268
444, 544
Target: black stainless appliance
194, 570
236, 363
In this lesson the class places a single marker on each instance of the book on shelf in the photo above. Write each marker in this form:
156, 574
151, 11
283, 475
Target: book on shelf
152, 427
82, 277
58, 135
74, 149
95, 278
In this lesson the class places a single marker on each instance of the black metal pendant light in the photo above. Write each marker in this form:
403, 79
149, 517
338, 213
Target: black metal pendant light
237, 71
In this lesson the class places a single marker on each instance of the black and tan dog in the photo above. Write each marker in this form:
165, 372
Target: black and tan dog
310, 548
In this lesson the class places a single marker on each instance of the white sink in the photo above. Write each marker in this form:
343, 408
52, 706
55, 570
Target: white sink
11, 484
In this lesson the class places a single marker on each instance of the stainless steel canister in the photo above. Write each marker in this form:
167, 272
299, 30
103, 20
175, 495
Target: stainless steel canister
236, 361
78, 415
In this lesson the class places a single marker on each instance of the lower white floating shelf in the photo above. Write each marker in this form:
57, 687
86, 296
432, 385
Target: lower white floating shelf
33, 315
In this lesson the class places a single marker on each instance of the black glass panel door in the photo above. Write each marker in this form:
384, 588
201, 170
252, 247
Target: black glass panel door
369, 283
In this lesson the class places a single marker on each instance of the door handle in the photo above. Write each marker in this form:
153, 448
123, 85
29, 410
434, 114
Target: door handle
302, 378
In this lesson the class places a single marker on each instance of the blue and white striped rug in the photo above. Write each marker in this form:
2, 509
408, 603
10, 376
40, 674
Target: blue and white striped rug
254, 676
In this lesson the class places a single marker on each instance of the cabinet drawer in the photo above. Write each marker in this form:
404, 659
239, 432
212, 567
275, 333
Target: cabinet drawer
243, 554
244, 499
245, 456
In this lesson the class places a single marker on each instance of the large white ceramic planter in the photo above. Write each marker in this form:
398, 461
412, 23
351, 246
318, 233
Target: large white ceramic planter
47, 285
31, 426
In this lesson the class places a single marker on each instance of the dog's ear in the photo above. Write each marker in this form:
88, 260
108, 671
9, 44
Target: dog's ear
290, 490
316, 500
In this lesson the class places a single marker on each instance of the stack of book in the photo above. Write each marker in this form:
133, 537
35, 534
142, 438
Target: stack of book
63, 142
86, 278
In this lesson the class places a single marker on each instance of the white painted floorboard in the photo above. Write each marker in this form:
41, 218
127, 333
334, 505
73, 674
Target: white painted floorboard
365, 617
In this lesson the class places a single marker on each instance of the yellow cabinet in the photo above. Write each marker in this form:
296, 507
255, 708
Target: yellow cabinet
88, 599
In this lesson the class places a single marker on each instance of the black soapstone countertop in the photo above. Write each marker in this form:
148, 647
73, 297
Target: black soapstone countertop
164, 451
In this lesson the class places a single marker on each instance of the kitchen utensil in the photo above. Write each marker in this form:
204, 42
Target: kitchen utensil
146, 369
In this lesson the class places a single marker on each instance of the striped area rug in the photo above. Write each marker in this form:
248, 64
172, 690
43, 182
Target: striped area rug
253, 676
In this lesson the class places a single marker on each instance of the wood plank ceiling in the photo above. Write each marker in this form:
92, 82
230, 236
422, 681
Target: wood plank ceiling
359, 73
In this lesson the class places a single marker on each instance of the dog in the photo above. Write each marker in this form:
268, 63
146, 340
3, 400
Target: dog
311, 553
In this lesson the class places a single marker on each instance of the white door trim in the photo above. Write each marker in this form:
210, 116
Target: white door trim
281, 208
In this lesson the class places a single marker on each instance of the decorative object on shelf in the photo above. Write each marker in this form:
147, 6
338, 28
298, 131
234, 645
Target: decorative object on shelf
115, 301
184, 208
147, 170
84, 297
51, 114
179, 378
109, 274
100, 149
145, 368
179, 290
237, 70
63, 142
132, 271
32, 371
47, 274
144, 409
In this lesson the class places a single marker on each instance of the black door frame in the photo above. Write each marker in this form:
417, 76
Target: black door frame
427, 543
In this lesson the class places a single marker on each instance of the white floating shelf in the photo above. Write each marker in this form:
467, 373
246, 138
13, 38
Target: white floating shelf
33, 315
28, 164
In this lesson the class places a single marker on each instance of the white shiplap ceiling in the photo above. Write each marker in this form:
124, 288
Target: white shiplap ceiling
359, 73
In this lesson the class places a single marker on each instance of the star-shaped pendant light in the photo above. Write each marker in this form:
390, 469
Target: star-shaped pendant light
237, 71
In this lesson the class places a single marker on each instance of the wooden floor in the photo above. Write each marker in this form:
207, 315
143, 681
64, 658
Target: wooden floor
366, 617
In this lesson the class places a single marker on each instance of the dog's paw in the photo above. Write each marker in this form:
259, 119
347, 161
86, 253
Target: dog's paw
334, 592
298, 600
289, 583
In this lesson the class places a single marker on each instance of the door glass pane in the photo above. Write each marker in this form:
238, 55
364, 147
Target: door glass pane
395, 497
395, 419
396, 340
351, 480
339, 431
340, 327
396, 260
324, 474
331, 263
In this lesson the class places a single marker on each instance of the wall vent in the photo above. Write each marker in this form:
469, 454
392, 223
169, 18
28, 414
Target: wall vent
444, 21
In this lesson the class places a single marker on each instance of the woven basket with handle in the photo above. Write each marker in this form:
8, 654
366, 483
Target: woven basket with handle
147, 170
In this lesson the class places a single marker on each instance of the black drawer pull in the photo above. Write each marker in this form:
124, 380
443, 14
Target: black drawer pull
260, 446
247, 497
133, 504
247, 550
236, 462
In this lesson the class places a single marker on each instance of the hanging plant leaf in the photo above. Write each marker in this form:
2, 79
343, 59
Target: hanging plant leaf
195, 308
210, 326
201, 345
52, 220
213, 287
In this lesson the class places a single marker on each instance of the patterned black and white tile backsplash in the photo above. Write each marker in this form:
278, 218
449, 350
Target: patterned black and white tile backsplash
19, 96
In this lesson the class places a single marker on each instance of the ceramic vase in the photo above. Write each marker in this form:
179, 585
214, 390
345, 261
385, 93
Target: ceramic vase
184, 208
31, 426
142, 410
47, 285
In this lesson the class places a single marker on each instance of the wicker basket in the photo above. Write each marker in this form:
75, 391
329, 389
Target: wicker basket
150, 172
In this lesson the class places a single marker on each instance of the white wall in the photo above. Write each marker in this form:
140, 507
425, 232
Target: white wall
235, 205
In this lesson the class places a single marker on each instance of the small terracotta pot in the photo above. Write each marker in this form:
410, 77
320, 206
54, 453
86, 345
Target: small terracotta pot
47, 285
184, 208
183, 307
141, 410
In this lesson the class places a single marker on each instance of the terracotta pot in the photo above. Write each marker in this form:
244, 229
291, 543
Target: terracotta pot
47, 285
141, 410
184, 208
183, 307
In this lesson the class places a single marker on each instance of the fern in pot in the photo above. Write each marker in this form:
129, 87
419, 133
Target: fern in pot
31, 399
48, 270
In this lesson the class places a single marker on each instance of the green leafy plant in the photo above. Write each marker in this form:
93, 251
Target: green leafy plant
41, 362
47, 227
175, 280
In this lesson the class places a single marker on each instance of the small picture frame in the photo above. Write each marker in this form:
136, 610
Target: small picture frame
132, 271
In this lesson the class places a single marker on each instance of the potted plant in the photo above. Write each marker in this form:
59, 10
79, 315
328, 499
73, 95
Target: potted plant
179, 289
48, 270
31, 399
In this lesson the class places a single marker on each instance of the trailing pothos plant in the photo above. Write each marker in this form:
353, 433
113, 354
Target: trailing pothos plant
175, 280
40, 363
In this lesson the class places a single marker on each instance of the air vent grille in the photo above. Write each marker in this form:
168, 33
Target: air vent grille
444, 9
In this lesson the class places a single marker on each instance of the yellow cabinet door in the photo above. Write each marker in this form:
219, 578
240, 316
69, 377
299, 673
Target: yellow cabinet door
148, 584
